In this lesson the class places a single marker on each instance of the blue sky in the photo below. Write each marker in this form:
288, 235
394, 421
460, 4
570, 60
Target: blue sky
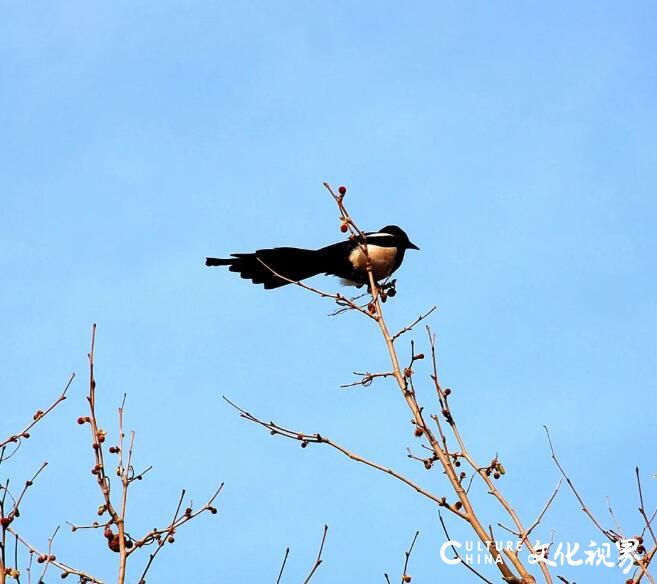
514, 142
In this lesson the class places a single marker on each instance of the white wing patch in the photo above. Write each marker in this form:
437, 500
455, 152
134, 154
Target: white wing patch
383, 259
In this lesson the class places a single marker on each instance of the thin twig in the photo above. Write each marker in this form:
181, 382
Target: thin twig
38, 416
457, 555
642, 508
51, 539
407, 555
318, 561
339, 298
165, 535
415, 322
280, 574
524, 536
320, 439
547, 505
574, 490
62, 566
15, 512
617, 525
367, 378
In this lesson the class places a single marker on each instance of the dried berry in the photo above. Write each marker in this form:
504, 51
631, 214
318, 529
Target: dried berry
342, 190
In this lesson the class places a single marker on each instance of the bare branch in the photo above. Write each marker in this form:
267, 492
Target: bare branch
547, 506
642, 508
407, 555
574, 490
65, 568
320, 439
367, 378
280, 574
15, 511
415, 322
456, 553
339, 298
318, 561
38, 416
166, 535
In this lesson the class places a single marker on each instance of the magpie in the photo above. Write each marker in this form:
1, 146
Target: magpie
344, 259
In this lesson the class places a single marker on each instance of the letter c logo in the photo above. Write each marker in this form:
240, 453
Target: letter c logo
443, 549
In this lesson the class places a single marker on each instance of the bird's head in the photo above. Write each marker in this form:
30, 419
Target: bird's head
400, 235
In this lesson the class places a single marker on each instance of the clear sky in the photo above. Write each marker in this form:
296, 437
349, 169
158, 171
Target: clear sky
514, 141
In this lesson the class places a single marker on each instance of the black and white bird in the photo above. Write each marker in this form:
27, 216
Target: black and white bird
344, 259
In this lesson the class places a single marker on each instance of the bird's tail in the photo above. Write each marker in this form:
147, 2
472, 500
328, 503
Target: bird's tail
219, 261
274, 267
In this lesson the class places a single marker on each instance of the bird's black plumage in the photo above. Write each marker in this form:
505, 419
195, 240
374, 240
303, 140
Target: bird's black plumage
344, 259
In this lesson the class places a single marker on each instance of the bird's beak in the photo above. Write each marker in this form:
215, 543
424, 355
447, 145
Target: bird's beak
412, 246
